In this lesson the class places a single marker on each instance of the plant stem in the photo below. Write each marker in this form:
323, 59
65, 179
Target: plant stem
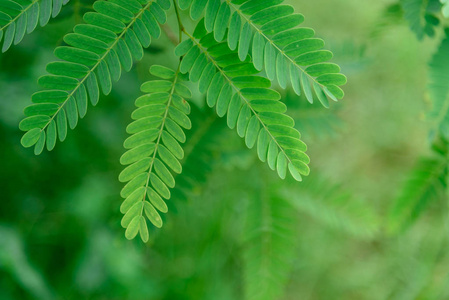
178, 16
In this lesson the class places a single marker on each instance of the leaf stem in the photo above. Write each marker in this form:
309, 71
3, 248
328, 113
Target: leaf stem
178, 16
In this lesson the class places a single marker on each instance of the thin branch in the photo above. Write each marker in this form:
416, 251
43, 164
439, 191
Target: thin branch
170, 34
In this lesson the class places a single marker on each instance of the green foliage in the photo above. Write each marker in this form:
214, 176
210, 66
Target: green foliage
426, 185
391, 15
224, 55
113, 38
335, 207
269, 250
234, 230
251, 107
14, 260
269, 31
18, 17
421, 16
427, 182
153, 149
438, 88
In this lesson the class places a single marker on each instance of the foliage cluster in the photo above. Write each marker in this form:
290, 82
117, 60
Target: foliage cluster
233, 226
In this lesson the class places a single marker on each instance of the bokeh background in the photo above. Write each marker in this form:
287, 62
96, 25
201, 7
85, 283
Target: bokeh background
234, 229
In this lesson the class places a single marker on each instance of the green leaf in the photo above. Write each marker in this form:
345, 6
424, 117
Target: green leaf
183, 47
211, 13
72, 112
19, 17
143, 228
279, 46
253, 109
282, 24
189, 59
37, 121
96, 52
320, 94
162, 72
165, 175
154, 149
152, 215
438, 88
306, 87
234, 31
137, 153
416, 13
133, 170
270, 245
134, 45
61, 122
184, 4
40, 144
197, 8
156, 86
136, 196
31, 137
51, 135
69, 69
133, 228
245, 41
104, 78
258, 50
425, 184
159, 186
221, 20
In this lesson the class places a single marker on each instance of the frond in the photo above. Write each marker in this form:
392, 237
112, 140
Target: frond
154, 150
18, 17
333, 206
438, 88
269, 248
419, 14
269, 31
426, 184
251, 106
112, 39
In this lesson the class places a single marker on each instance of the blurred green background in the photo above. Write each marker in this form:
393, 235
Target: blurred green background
60, 234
